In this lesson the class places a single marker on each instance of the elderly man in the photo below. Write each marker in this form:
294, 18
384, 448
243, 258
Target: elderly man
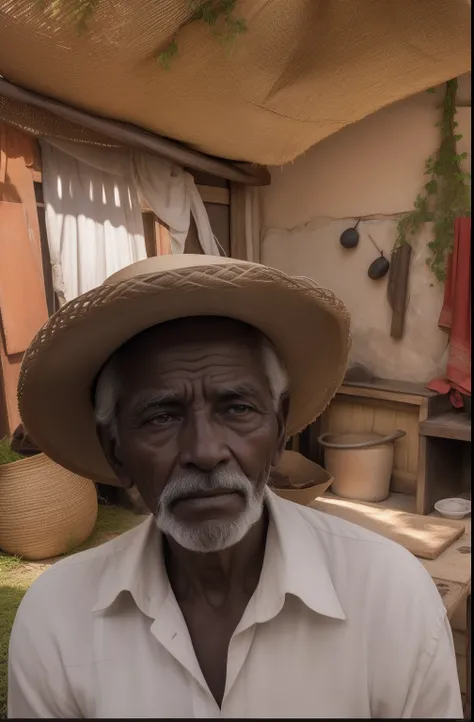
184, 376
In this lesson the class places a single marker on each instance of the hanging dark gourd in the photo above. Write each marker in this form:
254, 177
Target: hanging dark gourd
350, 237
379, 268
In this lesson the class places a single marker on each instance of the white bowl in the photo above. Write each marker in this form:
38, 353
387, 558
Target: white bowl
453, 508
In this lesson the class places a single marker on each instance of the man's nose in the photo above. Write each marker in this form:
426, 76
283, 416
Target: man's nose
202, 444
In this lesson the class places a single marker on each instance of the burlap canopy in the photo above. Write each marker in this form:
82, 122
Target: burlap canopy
301, 71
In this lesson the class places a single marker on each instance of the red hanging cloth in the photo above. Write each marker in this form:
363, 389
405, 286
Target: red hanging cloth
455, 317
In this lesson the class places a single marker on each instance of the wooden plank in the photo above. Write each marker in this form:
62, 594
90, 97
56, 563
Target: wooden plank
9, 375
211, 194
382, 394
394, 386
454, 565
238, 244
452, 425
425, 538
206, 179
149, 234
22, 295
163, 238
51, 298
422, 500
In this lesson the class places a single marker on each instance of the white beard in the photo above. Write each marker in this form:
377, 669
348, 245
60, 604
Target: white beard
214, 535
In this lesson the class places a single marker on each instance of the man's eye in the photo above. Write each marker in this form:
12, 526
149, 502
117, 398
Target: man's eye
160, 419
239, 409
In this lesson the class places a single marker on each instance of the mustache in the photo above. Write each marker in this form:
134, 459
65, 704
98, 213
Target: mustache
183, 486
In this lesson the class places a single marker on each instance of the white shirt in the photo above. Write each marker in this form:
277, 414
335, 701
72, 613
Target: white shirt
343, 623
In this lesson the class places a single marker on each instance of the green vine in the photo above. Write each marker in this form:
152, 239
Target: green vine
217, 14
445, 196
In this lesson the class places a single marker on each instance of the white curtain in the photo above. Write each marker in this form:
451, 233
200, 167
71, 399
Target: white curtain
93, 222
93, 214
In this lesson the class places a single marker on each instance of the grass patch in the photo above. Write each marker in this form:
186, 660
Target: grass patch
17, 574
15, 578
7, 455
111, 521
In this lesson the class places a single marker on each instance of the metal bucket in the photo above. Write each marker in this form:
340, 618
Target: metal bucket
361, 464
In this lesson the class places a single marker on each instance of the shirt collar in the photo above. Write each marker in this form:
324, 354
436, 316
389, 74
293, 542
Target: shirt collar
135, 564
294, 564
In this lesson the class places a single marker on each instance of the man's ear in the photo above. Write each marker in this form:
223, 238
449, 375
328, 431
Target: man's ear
111, 449
282, 418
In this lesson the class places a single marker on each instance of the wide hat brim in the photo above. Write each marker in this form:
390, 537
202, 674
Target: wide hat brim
307, 324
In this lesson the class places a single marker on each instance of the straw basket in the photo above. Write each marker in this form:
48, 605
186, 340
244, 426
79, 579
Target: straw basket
45, 510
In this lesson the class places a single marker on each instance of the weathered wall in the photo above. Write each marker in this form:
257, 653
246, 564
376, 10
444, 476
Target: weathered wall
372, 169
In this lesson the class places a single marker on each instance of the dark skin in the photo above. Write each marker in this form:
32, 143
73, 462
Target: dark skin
194, 397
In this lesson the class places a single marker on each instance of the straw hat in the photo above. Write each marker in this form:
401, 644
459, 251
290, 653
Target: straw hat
307, 324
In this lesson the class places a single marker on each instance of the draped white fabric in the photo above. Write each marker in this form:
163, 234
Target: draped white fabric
93, 215
173, 197
93, 223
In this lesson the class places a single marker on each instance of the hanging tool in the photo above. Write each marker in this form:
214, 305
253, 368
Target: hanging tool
379, 268
350, 237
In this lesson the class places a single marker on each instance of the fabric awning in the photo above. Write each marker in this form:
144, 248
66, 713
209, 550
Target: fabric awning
302, 70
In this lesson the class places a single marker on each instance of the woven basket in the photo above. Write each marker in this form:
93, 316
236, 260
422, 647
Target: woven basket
45, 510
299, 470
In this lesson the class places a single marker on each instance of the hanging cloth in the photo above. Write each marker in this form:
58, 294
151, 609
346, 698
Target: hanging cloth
455, 318
169, 190
93, 219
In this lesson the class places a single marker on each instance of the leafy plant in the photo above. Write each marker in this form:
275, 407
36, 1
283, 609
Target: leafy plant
7, 455
446, 194
217, 14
